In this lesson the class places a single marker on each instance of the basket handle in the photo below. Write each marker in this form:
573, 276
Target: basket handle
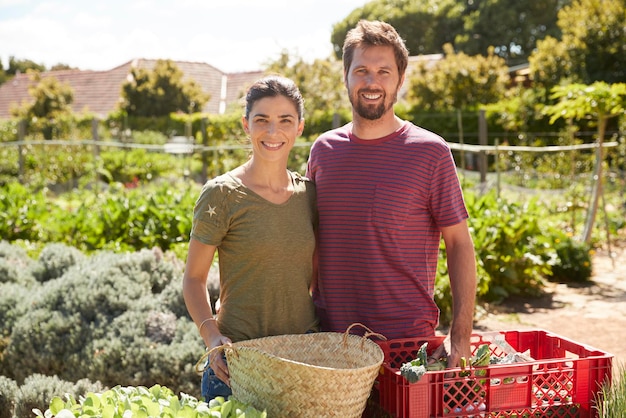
368, 333
203, 364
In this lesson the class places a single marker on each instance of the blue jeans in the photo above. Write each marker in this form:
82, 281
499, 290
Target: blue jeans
212, 386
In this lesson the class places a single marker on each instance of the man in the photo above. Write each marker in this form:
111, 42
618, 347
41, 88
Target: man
387, 192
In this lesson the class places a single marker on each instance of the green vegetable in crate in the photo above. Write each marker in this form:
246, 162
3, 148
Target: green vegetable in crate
482, 357
414, 370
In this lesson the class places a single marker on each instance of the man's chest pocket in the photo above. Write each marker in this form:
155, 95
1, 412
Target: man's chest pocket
391, 206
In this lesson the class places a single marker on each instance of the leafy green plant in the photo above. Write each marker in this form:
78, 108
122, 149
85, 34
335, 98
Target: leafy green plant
23, 213
118, 219
517, 249
139, 165
572, 262
140, 402
509, 242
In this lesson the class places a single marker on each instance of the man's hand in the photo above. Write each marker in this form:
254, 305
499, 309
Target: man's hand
453, 352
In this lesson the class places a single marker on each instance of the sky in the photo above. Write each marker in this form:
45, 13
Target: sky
231, 35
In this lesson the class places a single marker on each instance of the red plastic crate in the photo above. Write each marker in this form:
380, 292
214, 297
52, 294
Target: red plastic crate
563, 381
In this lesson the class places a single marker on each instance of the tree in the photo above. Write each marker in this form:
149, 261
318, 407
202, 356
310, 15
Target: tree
22, 66
161, 91
458, 82
61, 66
3, 75
600, 101
550, 64
511, 28
320, 82
425, 25
18, 66
592, 46
597, 47
51, 99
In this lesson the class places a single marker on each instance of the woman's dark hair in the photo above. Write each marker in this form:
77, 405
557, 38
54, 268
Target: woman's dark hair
272, 86
375, 33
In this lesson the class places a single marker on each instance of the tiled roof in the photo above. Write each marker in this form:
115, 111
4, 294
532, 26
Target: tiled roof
99, 92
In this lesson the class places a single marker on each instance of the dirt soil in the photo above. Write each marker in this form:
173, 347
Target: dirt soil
592, 314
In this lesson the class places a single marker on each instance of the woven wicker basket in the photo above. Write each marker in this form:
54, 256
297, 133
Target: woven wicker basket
323, 374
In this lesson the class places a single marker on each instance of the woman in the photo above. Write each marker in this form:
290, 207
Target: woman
261, 219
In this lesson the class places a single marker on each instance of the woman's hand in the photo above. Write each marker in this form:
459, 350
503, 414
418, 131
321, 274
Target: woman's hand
217, 359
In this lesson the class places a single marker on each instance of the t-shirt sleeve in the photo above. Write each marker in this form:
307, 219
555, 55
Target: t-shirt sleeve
310, 171
210, 215
447, 203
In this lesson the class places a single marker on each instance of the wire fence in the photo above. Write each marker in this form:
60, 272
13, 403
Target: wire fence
470, 158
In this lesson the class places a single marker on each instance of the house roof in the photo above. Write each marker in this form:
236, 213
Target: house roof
99, 92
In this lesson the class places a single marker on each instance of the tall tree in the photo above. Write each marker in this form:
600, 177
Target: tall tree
473, 26
425, 25
511, 27
161, 91
598, 46
592, 48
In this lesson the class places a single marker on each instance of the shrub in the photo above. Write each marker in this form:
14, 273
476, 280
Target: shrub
8, 394
509, 242
572, 263
13, 306
106, 318
15, 265
56, 259
148, 137
128, 166
171, 298
16, 284
48, 342
38, 390
516, 250
143, 360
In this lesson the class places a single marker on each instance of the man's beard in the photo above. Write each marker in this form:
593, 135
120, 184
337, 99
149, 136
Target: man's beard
370, 112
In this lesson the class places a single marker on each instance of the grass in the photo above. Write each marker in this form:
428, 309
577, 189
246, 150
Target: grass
614, 396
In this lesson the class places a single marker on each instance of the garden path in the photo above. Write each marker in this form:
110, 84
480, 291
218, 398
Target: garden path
593, 314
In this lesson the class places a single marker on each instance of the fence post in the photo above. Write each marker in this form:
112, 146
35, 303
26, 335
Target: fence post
205, 143
482, 140
497, 164
459, 124
216, 158
96, 153
336, 120
21, 135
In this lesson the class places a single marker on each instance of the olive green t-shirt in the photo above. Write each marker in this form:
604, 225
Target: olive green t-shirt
265, 255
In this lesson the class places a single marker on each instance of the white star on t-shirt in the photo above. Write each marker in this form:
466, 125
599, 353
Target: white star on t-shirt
211, 211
